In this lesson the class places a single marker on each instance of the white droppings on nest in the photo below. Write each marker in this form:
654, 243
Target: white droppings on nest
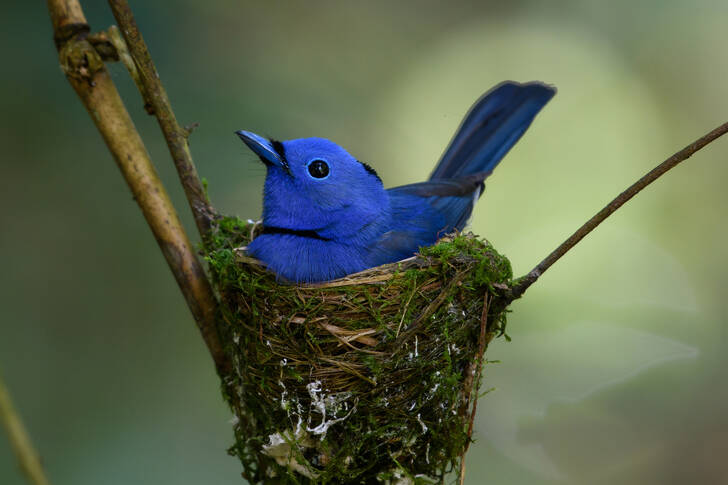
314, 388
435, 387
422, 423
398, 478
234, 420
453, 349
432, 391
236, 338
285, 405
279, 448
329, 406
456, 310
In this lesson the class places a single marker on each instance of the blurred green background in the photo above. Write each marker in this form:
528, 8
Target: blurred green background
617, 369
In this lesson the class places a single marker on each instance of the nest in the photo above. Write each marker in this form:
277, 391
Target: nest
372, 378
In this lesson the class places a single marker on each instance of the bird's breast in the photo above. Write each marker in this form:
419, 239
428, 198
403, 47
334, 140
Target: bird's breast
303, 258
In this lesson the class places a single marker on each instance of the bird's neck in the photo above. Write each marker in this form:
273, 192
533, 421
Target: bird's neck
357, 218
348, 224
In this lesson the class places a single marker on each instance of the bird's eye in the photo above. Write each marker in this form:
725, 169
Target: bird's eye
318, 169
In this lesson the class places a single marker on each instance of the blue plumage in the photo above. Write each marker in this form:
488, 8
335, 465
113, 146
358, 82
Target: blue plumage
326, 215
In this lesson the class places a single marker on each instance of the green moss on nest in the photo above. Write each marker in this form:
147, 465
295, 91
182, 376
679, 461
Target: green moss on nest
367, 379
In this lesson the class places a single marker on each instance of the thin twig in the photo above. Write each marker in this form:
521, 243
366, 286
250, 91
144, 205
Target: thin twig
176, 136
20, 440
122, 52
483, 341
88, 76
524, 282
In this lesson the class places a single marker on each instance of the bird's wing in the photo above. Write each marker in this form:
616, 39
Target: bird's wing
460, 186
491, 127
424, 212
452, 198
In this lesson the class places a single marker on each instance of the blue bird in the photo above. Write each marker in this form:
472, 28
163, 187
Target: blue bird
326, 214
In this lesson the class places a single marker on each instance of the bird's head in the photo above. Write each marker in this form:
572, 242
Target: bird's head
314, 184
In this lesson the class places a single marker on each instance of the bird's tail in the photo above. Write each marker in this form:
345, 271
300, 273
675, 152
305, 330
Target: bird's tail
491, 127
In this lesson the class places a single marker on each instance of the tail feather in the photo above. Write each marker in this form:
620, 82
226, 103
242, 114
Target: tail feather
491, 127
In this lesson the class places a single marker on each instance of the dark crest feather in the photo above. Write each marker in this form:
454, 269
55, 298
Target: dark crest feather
369, 169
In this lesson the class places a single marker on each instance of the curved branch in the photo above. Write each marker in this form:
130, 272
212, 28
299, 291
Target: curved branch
88, 76
155, 95
524, 282
19, 440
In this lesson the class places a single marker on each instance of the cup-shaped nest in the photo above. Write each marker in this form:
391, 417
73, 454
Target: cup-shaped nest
372, 378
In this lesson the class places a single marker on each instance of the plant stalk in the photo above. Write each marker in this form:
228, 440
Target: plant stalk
88, 76
20, 440
159, 105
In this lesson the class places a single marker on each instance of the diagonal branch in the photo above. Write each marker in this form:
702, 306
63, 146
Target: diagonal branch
19, 440
176, 136
524, 282
88, 76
